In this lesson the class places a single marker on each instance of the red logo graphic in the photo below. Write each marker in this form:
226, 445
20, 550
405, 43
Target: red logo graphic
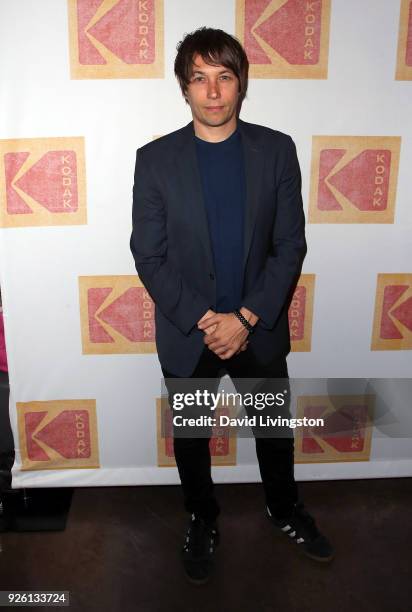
51, 182
68, 434
395, 307
293, 31
349, 423
127, 30
392, 326
222, 445
297, 314
346, 432
301, 313
131, 314
363, 181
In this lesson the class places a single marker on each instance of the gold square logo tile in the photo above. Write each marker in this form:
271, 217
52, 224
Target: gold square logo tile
117, 315
347, 431
45, 182
116, 39
285, 39
354, 179
392, 324
301, 314
58, 434
222, 445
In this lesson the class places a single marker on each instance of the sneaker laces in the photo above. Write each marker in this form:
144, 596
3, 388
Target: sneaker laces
196, 538
303, 522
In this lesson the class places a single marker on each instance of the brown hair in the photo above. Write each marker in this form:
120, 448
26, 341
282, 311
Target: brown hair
216, 48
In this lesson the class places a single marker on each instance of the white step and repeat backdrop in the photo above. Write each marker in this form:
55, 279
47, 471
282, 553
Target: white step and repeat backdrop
83, 84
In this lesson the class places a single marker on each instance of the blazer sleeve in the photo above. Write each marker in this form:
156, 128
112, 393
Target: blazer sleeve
271, 291
148, 243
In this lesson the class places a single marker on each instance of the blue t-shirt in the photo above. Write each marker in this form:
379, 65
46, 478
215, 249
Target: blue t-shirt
224, 189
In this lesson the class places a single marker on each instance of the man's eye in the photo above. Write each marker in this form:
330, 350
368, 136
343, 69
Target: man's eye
199, 78
225, 77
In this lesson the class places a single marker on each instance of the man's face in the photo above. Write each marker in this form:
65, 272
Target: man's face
212, 93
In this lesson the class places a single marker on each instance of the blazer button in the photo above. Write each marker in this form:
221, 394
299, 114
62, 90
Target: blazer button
212, 276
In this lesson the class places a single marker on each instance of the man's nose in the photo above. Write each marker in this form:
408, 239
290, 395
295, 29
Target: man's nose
213, 90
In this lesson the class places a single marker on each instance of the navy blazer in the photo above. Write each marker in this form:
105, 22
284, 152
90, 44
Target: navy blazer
172, 250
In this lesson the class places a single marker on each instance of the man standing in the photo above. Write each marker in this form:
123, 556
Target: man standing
218, 241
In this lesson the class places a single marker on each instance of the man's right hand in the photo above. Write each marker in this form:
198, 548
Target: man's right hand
209, 313
211, 329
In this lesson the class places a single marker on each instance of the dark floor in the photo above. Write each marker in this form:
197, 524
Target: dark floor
120, 552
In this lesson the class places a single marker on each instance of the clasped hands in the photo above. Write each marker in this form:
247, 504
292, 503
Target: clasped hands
225, 335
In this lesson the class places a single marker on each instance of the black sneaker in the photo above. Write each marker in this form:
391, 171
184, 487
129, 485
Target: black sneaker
301, 528
198, 550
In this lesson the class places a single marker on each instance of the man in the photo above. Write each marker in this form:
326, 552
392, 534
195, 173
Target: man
218, 241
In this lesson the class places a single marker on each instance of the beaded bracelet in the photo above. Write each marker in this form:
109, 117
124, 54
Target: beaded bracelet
244, 321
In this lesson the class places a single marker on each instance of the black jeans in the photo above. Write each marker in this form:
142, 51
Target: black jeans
275, 455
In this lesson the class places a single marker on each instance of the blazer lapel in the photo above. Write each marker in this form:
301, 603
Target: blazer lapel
254, 163
190, 182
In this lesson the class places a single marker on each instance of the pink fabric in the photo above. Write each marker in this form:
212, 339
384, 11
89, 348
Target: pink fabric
3, 356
